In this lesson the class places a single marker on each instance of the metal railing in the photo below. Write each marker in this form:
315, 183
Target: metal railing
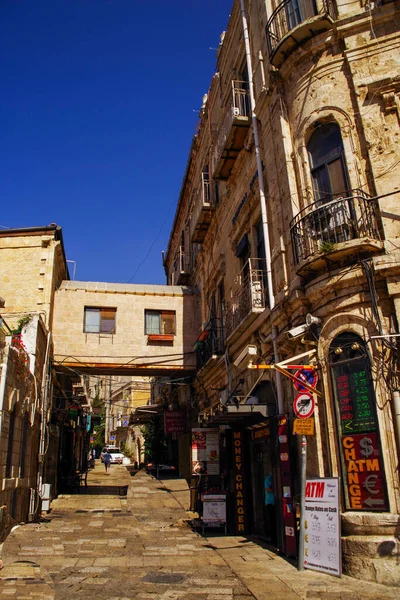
320, 226
182, 265
238, 106
291, 13
203, 199
213, 345
250, 294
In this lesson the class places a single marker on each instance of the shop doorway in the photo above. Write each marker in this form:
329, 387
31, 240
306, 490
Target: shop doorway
264, 483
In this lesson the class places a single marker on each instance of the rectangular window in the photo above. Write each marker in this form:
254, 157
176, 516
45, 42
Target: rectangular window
160, 322
99, 320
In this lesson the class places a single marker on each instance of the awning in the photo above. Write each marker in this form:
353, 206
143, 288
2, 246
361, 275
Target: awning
243, 414
144, 414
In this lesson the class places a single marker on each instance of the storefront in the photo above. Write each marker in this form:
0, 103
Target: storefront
256, 454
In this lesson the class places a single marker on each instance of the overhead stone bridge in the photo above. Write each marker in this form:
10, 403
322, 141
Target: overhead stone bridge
113, 328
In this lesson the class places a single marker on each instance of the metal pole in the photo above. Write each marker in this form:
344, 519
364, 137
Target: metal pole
108, 410
302, 501
263, 204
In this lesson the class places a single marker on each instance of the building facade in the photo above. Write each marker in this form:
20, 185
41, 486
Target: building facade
287, 222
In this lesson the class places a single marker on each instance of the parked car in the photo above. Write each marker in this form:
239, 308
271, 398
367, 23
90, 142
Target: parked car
152, 468
116, 455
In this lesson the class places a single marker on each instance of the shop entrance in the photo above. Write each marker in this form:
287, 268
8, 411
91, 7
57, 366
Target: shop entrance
264, 482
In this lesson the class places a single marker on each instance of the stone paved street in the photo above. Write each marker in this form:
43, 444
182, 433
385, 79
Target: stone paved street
127, 537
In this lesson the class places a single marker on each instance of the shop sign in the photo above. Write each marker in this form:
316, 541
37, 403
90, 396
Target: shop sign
72, 413
88, 422
304, 426
322, 548
239, 481
355, 402
365, 482
261, 432
205, 451
286, 483
175, 421
91, 439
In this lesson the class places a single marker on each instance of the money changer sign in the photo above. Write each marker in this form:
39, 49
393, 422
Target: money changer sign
239, 491
365, 481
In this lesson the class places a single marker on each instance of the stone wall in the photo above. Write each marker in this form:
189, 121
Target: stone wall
129, 345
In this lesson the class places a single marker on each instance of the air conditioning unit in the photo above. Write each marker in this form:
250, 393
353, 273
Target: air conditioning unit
46, 496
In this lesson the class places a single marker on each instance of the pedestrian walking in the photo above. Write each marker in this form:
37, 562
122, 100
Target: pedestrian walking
269, 509
107, 461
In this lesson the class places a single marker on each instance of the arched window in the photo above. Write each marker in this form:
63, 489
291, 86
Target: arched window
327, 161
359, 440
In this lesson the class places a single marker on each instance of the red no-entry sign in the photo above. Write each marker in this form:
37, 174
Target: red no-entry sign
308, 376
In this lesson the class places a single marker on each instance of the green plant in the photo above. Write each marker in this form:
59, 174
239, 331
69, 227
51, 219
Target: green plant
21, 324
155, 446
99, 436
326, 247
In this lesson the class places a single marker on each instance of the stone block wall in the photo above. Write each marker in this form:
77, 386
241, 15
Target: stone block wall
129, 344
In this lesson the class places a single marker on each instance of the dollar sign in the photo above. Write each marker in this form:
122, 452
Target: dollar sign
366, 445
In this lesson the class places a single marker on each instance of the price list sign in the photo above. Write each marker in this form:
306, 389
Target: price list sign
322, 549
355, 398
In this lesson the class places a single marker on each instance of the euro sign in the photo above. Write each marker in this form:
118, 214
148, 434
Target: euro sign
366, 446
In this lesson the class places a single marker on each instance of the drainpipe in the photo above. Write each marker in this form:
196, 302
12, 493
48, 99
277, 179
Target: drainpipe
3, 379
396, 414
43, 424
264, 217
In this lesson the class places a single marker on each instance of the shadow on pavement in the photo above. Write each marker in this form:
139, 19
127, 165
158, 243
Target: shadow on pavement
102, 490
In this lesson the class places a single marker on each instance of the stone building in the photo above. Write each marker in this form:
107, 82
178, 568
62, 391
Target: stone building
288, 223
44, 421
23, 366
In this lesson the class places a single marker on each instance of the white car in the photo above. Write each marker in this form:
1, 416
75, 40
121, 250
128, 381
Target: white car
116, 455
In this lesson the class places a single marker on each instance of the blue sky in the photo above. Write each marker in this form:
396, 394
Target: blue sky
97, 116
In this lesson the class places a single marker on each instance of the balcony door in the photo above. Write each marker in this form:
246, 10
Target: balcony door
327, 161
293, 14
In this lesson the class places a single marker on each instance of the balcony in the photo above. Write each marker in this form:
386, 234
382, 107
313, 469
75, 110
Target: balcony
202, 211
182, 268
294, 22
210, 344
249, 297
333, 231
233, 132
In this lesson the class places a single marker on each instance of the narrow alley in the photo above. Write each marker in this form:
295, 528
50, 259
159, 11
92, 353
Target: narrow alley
126, 537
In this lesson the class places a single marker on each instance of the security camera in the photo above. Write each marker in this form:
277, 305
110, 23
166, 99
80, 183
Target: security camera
297, 331
247, 353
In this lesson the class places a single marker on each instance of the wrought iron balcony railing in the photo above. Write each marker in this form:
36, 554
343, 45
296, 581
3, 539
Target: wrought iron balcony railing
212, 344
289, 14
233, 130
319, 227
202, 210
250, 295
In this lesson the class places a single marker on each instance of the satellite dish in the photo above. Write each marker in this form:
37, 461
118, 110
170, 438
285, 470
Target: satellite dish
224, 397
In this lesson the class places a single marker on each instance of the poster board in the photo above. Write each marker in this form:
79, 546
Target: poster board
214, 510
322, 545
205, 451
